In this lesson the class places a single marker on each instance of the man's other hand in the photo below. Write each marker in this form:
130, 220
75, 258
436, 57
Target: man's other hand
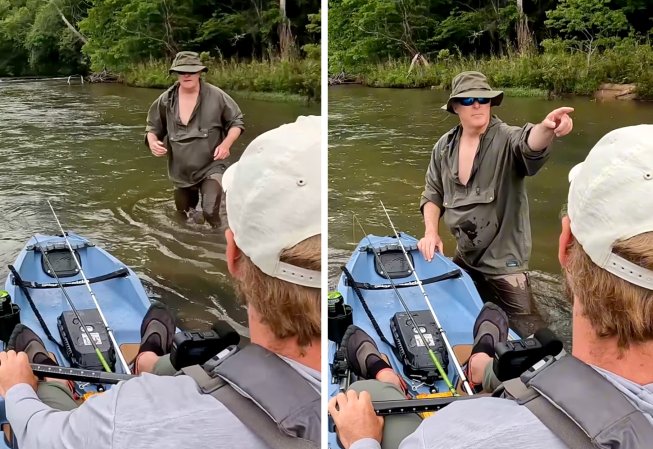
429, 244
354, 417
222, 151
15, 369
156, 146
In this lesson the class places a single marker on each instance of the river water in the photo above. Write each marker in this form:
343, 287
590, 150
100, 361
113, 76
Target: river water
81, 147
380, 143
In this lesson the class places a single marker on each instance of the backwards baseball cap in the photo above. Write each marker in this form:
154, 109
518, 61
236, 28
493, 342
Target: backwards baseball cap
273, 197
611, 199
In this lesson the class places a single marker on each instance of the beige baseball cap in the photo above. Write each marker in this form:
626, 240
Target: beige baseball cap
273, 197
611, 199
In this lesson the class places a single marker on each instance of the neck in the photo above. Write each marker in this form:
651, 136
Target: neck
633, 363
474, 132
187, 91
309, 356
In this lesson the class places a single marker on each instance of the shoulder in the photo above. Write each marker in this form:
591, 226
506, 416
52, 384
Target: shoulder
443, 142
174, 410
213, 91
485, 422
165, 97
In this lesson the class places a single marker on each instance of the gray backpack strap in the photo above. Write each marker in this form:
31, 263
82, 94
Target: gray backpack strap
568, 393
260, 393
554, 419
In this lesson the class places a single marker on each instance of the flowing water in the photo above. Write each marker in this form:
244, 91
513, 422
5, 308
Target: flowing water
380, 143
81, 147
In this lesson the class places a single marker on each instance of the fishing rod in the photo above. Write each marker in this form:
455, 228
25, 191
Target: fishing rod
459, 369
125, 366
103, 361
434, 358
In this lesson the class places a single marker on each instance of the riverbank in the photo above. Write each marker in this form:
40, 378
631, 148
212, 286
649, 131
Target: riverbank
288, 81
553, 73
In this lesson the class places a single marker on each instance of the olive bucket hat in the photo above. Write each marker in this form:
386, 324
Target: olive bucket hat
472, 84
187, 62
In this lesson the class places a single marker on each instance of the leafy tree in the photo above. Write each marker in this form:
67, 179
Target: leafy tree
588, 24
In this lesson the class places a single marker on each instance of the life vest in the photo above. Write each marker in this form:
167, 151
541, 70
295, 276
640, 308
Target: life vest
265, 393
579, 405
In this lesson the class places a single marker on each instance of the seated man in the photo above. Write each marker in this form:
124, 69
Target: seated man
273, 254
606, 251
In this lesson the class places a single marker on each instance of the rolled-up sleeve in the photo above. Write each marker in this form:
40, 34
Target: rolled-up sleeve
528, 161
433, 191
156, 120
232, 117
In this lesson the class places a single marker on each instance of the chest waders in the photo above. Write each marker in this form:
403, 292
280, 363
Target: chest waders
579, 405
265, 393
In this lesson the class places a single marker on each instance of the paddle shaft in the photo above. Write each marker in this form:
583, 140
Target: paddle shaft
434, 358
459, 369
104, 363
78, 375
123, 362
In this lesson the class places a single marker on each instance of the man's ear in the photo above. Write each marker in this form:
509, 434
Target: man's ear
232, 253
565, 240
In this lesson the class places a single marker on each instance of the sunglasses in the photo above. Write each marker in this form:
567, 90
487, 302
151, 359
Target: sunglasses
470, 101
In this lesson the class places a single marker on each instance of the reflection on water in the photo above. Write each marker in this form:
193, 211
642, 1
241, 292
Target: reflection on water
380, 143
81, 147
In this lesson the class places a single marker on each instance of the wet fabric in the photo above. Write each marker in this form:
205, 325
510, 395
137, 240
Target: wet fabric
489, 217
191, 146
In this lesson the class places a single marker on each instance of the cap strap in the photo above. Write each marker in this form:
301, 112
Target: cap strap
298, 275
629, 271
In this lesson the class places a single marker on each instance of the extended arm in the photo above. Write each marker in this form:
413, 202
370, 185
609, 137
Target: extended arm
557, 123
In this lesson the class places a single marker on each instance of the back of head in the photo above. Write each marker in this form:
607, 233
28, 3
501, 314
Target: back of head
610, 263
274, 210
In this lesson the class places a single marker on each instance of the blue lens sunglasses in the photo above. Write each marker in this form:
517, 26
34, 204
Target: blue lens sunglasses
470, 101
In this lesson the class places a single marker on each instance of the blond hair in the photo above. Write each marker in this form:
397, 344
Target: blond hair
613, 306
288, 309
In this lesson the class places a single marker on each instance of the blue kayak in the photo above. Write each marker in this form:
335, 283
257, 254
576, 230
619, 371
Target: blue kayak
119, 292
450, 291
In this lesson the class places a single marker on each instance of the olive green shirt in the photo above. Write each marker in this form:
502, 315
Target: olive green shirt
191, 147
488, 216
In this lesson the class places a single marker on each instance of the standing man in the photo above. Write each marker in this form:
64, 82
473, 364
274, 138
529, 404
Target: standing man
476, 180
198, 123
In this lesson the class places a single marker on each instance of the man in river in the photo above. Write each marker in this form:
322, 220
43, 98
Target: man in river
273, 254
606, 252
476, 180
195, 124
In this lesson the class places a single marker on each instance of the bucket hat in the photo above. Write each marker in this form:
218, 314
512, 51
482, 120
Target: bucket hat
188, 62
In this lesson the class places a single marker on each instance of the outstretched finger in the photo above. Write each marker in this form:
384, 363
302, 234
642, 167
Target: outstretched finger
557, 113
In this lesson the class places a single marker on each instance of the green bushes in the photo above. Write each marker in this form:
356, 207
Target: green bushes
292, 78
558, 70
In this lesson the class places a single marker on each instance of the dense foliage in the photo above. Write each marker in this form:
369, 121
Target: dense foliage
72, 36
377, 39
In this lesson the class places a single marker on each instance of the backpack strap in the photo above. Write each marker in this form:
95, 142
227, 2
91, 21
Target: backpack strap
261, 396
581, 406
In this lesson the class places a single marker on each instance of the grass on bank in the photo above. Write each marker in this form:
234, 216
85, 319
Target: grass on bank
552, 73
295, 80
